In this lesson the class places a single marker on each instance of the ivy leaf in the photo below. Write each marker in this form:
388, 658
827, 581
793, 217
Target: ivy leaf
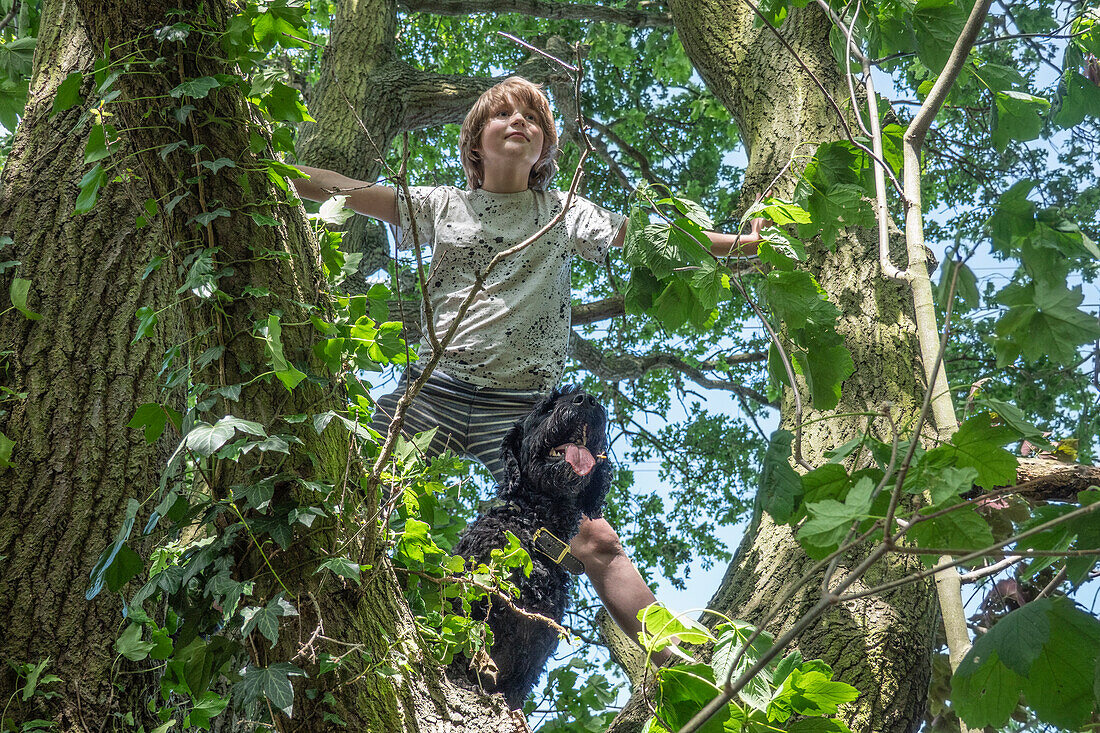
270, 683
130, 645
126, 565
106, 558
16, 56
287, 373
153, 418
205, 439
266, 619
205, 709
1043, 320
342, 566
6, 446
1019, 117
196, 88
19, 290
90, 184
68, 93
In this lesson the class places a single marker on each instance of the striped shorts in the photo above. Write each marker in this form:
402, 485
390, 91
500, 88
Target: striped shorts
472, 420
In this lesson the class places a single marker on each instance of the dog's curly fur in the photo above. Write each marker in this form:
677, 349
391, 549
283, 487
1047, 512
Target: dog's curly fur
542, 489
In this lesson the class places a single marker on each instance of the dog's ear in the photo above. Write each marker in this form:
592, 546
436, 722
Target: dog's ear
510, 448
591, 499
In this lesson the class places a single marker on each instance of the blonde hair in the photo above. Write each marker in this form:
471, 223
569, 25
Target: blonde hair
517, 89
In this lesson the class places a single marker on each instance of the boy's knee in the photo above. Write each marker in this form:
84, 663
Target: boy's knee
596, 542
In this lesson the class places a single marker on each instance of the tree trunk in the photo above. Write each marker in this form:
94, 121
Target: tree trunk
79, 366
882, 644
75, 463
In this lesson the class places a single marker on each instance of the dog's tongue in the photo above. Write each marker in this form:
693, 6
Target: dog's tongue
579, 458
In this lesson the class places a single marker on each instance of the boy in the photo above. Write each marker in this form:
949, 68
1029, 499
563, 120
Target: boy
509, 349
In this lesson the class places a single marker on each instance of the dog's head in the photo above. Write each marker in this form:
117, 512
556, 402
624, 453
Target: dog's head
560, 451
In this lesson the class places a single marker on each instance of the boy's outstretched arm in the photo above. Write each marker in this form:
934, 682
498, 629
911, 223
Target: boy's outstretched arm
721, 243
370, 199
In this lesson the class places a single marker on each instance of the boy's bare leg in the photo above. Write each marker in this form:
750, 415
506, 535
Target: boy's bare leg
617, 582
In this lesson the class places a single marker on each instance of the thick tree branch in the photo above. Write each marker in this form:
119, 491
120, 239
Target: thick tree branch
1053, 480
542, 9
617, 367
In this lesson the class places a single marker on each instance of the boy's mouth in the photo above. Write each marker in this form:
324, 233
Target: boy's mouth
517, 134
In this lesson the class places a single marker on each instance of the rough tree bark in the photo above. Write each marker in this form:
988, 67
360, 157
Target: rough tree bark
882, 645
77, 463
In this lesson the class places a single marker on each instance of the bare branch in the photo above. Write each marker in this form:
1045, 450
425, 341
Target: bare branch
542, 9
617, 367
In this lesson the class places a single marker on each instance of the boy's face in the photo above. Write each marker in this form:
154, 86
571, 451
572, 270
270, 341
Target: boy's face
511, 136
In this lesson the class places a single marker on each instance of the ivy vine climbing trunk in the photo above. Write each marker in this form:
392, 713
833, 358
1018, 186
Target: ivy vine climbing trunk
84, 374
882, 644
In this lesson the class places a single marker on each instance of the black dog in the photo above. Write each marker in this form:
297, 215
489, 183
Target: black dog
557, 470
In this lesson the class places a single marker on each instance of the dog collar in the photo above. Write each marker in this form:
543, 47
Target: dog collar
548, 544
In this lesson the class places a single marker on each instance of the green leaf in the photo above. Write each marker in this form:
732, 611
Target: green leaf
98, 575
1082, 99
130, 645
825, 364
147, 318
780, 487
1043, 320
16, 56
19, 291
937, 24
731, 641
966, 296
96, 148
683, 691
196, 88
830, 520
153, 418
962, 529
1019, 117
206, 708
270, 683
6, 446
809, 693
285, 103
90, 184
284, 370
342, 566
977, 444
779, 212
1059, 678
205, 439
266, 619
68, 93
126, 565
660, 625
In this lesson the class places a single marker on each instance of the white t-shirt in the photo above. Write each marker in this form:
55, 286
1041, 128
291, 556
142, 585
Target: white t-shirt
516, 332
